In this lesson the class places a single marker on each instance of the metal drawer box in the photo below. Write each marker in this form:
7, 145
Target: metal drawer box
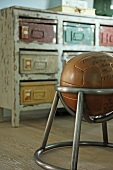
38, 62
77, 33
69, 55
38, 30
106, 36
37, 92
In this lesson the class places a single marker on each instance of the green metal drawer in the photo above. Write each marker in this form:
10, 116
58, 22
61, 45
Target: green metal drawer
78, 33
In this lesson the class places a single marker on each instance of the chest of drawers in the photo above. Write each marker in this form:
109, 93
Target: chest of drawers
34, 46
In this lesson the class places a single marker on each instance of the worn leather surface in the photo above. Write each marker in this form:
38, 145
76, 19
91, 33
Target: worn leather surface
89, 70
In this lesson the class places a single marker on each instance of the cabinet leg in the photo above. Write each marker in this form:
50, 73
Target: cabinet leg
1, 114
15, 118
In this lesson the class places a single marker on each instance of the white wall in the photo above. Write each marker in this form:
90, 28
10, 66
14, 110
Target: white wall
90, 3
41, 4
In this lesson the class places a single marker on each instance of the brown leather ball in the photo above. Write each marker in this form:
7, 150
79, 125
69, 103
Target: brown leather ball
89, 70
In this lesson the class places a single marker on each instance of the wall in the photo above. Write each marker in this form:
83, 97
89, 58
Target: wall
43, 4
90, 3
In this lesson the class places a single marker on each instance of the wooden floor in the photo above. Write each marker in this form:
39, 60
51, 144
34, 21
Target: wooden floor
17, 145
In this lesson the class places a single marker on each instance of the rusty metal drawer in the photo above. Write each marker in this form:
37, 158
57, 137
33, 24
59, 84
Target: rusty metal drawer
79, 33
37, 92
106, 35
39, 30
42, 62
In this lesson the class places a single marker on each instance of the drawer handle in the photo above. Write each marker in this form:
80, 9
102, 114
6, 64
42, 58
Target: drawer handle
111, 38
37, 34
77, 36
40, 65
106, 38
39, 95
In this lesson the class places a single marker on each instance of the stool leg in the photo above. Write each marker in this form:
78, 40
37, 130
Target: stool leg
105, 133
77, 130
50, 119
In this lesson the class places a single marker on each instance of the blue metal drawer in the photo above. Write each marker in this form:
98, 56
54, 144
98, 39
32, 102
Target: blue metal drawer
77, 33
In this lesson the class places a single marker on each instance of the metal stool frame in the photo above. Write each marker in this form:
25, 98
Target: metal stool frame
80, 112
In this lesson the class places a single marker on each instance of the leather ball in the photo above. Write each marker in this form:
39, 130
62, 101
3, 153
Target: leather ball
89, 70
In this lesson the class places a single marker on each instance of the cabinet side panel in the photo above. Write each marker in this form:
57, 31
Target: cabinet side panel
6, 58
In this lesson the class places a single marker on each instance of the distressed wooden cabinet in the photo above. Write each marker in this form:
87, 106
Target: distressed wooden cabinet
35, 45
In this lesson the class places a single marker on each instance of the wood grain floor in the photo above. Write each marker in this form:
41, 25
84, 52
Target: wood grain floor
17, 145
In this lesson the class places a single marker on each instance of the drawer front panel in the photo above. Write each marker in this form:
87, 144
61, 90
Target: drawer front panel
39, 30
106, 36
38, 62
37, 92
69, 55
75, 33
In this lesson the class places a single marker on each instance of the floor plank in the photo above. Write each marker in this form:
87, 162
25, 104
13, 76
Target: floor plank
17, 145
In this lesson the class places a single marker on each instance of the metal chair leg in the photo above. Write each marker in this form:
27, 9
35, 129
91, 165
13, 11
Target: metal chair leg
77, 130
50, 120
105, 133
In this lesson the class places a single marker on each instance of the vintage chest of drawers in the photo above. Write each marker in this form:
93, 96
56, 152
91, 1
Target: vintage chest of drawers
35, 45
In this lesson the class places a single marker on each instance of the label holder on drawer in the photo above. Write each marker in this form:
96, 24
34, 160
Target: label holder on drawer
39, 95
40, 65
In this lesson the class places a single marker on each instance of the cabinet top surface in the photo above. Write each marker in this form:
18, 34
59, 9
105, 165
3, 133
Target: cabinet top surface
57, 13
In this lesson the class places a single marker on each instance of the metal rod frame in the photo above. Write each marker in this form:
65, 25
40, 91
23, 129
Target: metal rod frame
80, 112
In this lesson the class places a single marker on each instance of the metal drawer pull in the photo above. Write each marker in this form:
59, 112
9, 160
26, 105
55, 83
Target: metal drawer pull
40, 65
